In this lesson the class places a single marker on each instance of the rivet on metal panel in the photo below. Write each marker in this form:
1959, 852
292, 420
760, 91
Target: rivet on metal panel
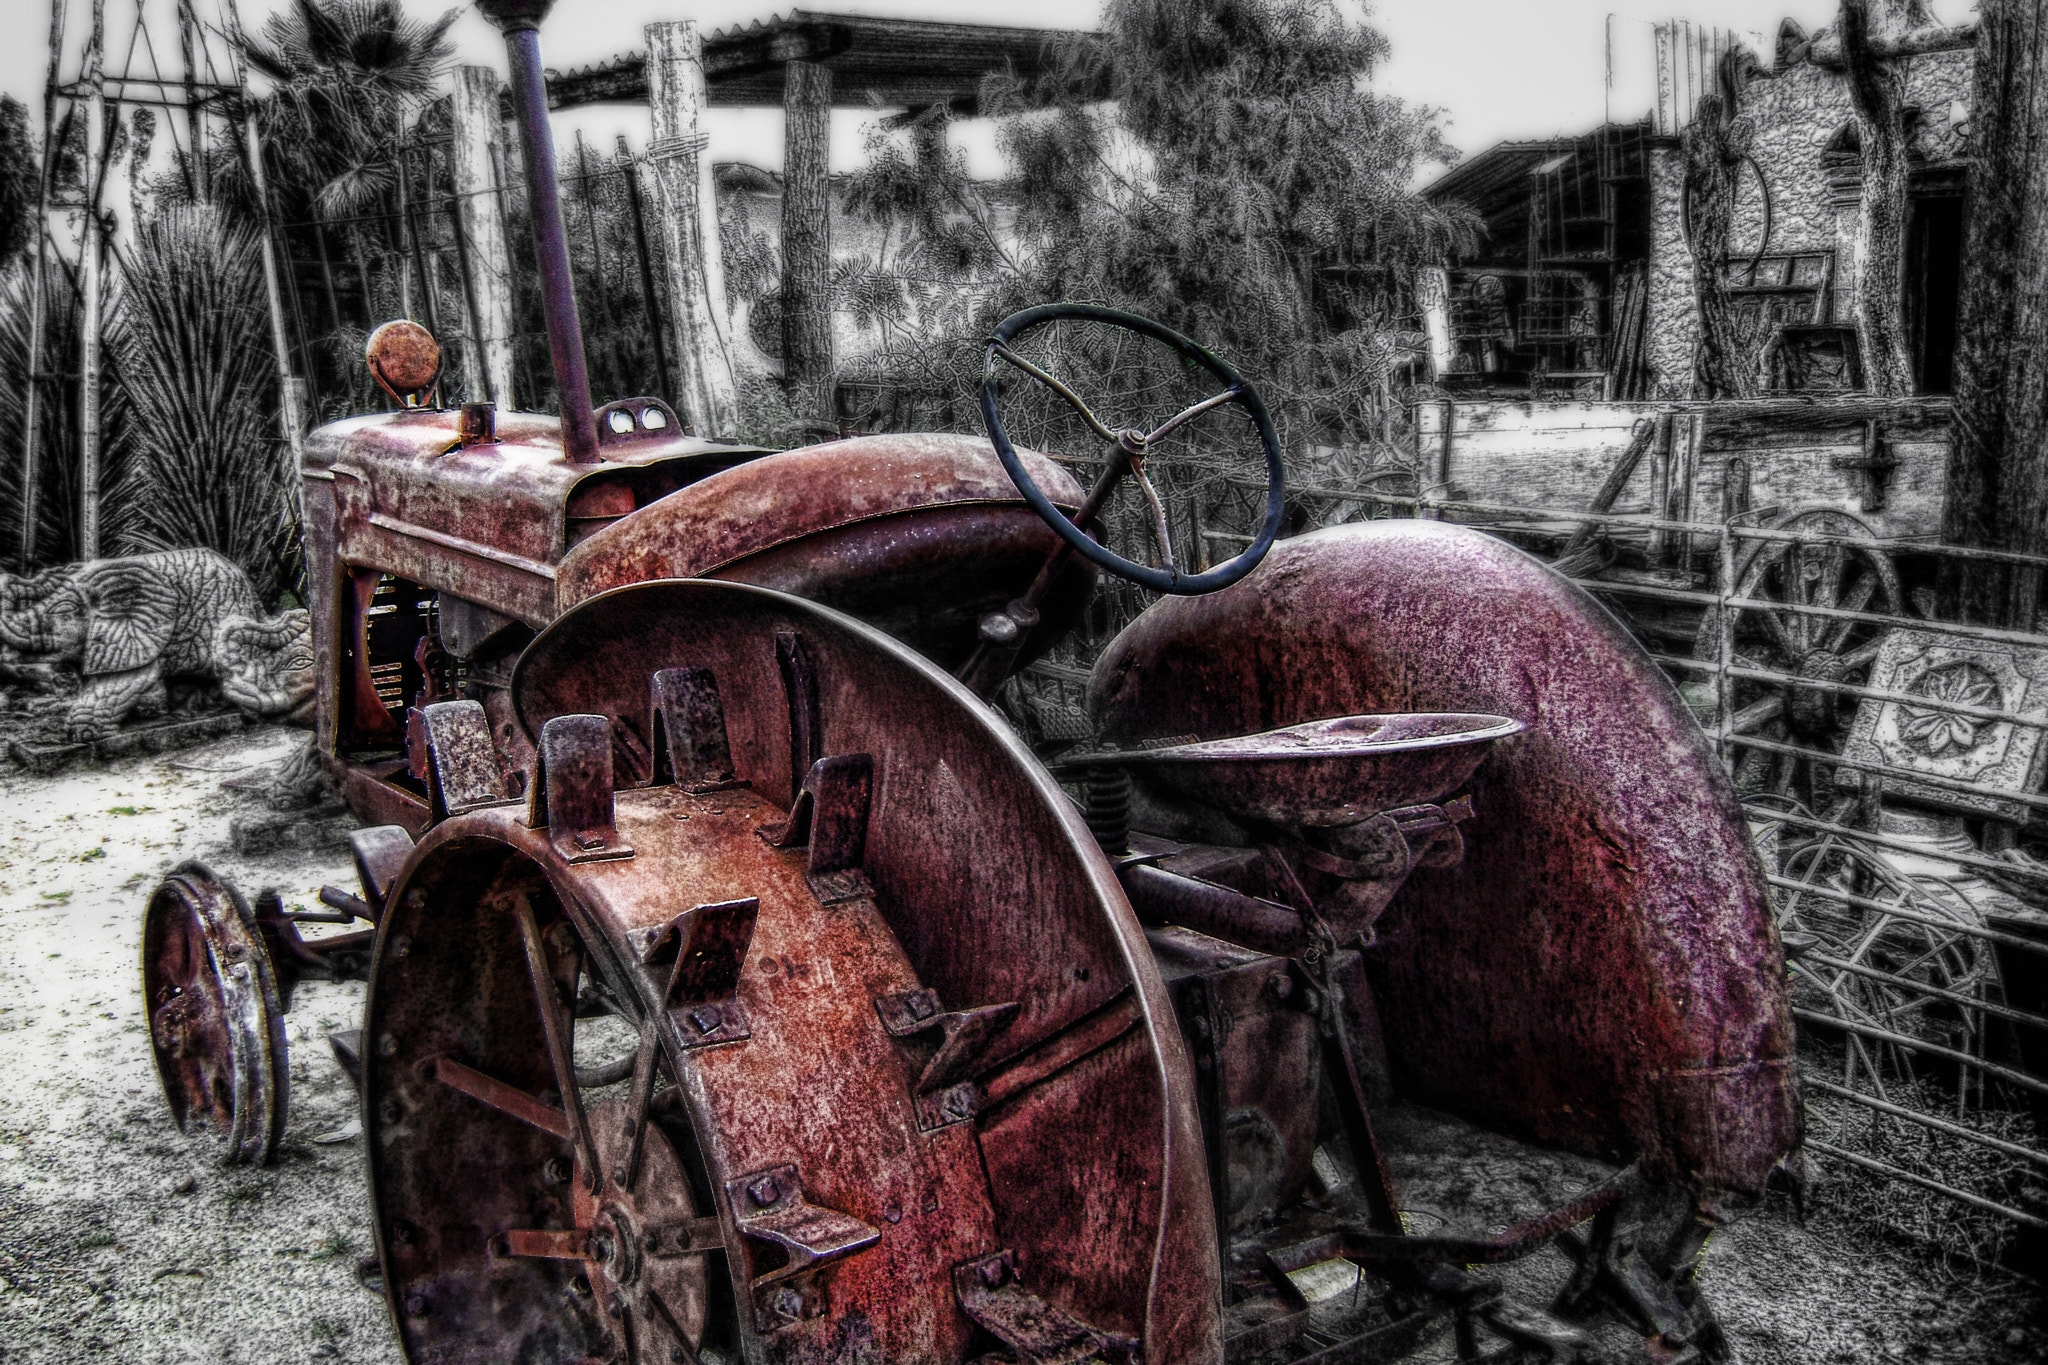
707, 945
769, 1206
690, 744
831, 815
991, 1294
572, 789
965, 1036
463, 773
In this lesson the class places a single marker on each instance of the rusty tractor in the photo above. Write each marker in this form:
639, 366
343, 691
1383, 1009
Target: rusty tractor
741, 987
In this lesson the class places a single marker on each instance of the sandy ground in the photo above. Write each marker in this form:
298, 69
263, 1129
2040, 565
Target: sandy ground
123, 1240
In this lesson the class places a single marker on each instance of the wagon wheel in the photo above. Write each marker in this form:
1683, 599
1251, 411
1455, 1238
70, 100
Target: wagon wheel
216, 1024
1865, 965
526, 1209
1830, 576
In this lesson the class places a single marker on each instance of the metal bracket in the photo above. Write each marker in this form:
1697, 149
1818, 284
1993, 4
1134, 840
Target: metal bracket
769, 1206
991, 1292
463, 773
380, 852
708, 945
1875, 464
945, 1091
691, 748
572, 790
831, 815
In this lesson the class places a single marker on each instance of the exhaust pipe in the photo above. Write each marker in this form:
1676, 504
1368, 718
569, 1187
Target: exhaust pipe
520, 20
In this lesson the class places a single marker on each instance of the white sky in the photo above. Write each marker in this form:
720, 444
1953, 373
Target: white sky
1499, 69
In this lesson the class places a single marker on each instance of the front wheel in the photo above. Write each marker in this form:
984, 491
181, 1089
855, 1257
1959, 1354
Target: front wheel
526, 1209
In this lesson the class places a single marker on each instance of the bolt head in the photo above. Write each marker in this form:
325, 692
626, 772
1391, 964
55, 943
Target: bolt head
588, 842
708, 1018
923, 1004
619, 1175
788, 1305
416, 1305
994, 1273
765, 1191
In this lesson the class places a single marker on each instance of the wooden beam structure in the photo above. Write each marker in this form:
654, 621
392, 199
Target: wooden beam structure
898, 63
687, 217
1998, 451
480, 219
807, 238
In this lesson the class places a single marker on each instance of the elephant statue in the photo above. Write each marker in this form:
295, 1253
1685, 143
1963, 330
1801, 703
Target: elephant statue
266, 666
130, 624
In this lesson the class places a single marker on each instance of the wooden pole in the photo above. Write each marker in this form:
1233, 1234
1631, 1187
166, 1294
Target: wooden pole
1877, 89
280, 338
31, 429
604, 293
189, 46
687, 215
656, 324
807, 237
1997, 495
481, 223
89, 291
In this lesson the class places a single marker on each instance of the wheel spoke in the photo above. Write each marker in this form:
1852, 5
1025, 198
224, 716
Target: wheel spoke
629, 1331
504, 1098
1160, 532
1859, 595
1755, 714
550, 1244
675, 1329
1214, 400
643, 1092
538, 970
1827, 589
1101, 429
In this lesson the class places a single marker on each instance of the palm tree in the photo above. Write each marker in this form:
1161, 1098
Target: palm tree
349, 78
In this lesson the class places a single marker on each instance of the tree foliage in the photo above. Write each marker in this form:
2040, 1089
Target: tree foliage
348, 75
1241, 182
18, 165
195, 355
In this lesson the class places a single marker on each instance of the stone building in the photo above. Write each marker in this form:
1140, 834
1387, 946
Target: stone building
1585, 286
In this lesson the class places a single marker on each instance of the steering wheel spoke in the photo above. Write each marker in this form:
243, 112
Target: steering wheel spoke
1130, 447
1100, 427
1161, 532
1189, 414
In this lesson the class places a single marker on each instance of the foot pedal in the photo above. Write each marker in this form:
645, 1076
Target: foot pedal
348, 1051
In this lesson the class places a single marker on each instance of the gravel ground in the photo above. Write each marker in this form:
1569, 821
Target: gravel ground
123, 1240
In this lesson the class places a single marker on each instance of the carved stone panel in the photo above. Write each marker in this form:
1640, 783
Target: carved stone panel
1944, 744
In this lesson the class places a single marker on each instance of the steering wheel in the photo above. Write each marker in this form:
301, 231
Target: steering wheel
1130, 447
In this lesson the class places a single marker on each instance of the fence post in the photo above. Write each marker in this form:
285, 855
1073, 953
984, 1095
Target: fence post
687, 213
480, 225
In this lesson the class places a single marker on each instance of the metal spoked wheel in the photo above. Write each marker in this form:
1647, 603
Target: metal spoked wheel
1803, 638
1903, 973
216, 1023
525, 1211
